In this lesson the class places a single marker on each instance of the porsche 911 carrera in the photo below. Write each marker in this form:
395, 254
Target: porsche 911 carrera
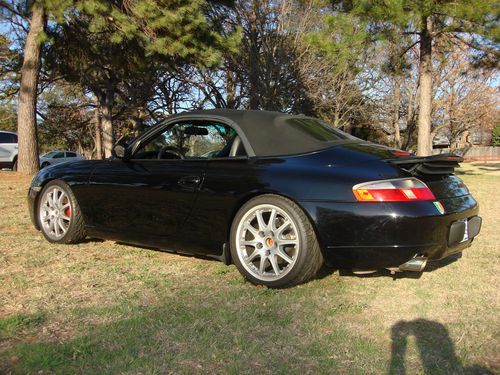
277, 195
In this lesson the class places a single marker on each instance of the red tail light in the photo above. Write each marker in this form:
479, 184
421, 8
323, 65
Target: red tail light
397, 190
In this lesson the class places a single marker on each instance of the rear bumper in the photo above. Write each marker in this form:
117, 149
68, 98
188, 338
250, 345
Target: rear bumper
380, 235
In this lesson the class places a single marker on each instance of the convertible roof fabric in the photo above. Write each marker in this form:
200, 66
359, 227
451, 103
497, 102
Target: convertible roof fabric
274, 133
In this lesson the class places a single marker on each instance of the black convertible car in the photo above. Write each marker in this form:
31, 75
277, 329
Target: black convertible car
278, 195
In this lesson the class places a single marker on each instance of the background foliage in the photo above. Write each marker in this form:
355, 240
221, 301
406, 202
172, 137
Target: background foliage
112, 68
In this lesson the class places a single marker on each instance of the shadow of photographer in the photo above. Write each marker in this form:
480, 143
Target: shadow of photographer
435, 347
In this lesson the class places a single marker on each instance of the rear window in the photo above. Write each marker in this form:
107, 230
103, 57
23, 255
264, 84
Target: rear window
318, 130
290, 135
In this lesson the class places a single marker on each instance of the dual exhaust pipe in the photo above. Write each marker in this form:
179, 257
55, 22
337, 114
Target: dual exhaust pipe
415, 264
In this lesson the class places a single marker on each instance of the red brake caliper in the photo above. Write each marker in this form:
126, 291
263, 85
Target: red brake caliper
68, 212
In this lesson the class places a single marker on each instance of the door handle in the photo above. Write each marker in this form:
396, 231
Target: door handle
189, 181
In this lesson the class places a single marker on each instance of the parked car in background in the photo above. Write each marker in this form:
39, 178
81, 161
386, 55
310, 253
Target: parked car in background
56, 157
8, 150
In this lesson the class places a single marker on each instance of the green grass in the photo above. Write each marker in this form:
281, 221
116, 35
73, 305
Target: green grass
102, 307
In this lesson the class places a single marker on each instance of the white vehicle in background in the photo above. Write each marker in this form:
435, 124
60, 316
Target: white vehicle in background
8, 150
56, 157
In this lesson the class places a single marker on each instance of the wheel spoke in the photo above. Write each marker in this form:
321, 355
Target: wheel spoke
274, 264
253, 255
56, 227
281, 253
252, 230
61, 197
284, 242
282, 227
262, 265
249, 243
272, 219
61, 225
260, 220
54, 196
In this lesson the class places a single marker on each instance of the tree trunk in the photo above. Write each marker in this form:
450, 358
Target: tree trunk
107, 102
395, 117
28, 161
98, 133
230, 100
137, 124
425, 73
254, 68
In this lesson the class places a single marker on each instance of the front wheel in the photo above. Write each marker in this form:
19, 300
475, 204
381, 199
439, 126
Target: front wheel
59, 215
273, 243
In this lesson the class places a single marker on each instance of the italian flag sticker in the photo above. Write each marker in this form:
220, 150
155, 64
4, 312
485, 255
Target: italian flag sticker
439, 207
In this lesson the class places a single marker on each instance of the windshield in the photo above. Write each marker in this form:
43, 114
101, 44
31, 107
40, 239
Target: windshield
50, 154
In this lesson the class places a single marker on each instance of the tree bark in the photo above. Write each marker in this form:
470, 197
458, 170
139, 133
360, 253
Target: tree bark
230, 101
254, 68
395, 117
98, 133
28, 162
107, 102
425, 72
137, 123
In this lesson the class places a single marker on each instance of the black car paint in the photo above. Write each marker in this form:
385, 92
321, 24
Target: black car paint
145, 202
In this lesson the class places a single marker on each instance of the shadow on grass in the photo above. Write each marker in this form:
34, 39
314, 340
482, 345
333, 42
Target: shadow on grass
435, 347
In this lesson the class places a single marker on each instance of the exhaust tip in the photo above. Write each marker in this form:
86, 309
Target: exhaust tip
416, 264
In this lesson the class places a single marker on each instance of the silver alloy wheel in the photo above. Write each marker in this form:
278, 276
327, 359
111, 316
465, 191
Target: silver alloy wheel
268, 243
55, 213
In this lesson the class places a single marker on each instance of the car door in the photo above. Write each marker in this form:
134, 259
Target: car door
148, 197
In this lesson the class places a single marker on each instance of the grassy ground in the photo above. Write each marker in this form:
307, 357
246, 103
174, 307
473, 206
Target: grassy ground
101, 307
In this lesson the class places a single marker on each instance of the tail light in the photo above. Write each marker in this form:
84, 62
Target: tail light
397, 190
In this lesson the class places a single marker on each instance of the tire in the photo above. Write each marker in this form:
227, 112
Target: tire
61, 221
268, 251
45, 164
14, 165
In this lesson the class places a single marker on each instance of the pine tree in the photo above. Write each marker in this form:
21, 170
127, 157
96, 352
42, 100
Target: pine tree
177, 30
471, 21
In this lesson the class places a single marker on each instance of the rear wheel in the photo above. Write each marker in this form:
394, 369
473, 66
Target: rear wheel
59, 215
14, 165
273, 243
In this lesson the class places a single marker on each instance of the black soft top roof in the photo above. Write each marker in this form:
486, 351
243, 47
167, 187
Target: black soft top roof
267, 133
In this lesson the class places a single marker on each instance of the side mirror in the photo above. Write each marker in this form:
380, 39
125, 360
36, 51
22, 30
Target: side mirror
119, 150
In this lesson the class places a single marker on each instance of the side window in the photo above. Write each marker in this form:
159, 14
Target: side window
58, 155
196, 140
8, 138
70, 155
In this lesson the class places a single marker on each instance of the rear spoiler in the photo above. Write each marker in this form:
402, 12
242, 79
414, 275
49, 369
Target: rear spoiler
443, 164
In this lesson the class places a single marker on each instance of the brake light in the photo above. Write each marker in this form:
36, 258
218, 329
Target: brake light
397, 190
401, 153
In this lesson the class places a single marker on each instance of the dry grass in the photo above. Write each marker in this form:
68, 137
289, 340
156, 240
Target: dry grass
101, 307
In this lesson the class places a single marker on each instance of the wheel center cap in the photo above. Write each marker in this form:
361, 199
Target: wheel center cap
269, 242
